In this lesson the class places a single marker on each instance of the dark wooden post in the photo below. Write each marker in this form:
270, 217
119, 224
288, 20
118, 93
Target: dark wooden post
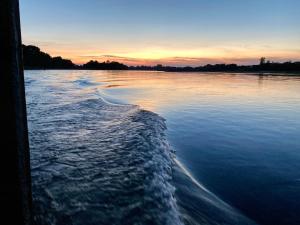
15, 182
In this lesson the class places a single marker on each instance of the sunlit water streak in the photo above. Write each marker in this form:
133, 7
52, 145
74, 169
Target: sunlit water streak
236, 139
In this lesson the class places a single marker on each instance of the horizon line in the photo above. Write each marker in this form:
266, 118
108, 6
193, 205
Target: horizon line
175, 61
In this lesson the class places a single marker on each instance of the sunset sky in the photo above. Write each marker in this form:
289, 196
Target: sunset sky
169, 32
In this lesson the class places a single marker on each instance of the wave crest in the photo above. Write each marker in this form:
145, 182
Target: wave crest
98, 163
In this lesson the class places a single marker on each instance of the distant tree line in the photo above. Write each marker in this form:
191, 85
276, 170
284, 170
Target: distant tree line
34, 58
264, 66
95, 65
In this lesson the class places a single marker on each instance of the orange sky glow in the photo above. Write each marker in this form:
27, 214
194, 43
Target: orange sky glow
169, 32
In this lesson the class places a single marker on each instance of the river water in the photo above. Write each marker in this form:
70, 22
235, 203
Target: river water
136, 147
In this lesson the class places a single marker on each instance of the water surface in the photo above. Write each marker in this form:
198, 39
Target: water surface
236, 136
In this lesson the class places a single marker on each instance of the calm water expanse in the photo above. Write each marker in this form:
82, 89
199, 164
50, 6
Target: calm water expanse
230, 153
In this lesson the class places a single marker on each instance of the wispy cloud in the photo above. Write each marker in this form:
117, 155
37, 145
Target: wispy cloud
182, 61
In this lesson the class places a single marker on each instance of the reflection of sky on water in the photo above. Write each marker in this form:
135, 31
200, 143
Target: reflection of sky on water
237, 134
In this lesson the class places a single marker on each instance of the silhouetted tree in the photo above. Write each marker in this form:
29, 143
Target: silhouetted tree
262, 61
95, 65
34, 58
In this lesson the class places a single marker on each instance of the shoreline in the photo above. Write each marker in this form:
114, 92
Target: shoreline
256, 73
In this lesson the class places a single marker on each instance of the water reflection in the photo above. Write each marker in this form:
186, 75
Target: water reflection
237, 134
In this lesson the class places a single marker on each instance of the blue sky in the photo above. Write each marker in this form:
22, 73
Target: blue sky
169, 32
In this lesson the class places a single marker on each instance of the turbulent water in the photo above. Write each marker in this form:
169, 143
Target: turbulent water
101, 155
95, 162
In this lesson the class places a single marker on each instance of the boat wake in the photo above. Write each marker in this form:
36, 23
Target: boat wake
99, 163
198, 205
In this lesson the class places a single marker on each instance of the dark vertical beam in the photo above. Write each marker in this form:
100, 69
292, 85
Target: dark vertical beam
15, 182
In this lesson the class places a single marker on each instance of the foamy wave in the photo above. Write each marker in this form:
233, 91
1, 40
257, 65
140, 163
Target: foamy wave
100, 163
84, 82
